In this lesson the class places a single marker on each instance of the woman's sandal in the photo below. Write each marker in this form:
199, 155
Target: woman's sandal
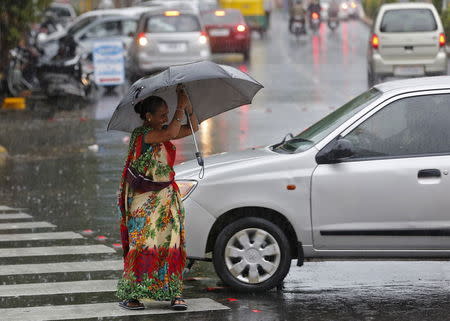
131, 304
180, 306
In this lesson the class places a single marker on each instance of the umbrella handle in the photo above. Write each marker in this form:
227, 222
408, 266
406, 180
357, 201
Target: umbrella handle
198, 154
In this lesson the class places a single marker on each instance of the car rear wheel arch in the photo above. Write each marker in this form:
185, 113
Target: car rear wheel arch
260, 212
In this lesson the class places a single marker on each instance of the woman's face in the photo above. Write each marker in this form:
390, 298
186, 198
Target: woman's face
159, 118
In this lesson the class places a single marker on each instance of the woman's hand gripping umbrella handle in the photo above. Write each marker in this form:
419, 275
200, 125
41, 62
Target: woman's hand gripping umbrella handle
198, 154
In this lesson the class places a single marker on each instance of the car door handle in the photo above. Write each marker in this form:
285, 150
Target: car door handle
426, 173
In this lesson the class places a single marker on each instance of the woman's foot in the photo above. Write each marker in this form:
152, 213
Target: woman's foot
131, 304
178, 304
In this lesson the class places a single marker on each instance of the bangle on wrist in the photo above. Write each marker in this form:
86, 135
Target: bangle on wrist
178, 120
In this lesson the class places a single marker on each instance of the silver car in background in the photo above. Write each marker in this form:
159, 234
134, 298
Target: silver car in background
369, 180
407, 40
165, 38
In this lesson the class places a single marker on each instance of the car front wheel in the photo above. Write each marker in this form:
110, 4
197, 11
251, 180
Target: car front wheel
252, 254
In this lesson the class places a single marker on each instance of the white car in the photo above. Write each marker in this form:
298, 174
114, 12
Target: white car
407, 40
50, 43
369, 180
167, 37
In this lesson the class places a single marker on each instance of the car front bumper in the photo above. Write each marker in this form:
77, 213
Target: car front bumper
198, 223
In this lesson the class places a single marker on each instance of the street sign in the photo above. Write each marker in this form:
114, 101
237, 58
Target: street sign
109, 63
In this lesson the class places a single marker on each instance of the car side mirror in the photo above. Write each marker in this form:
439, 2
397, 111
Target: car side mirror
335, 152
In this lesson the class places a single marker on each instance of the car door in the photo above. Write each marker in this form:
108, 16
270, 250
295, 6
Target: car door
392, 194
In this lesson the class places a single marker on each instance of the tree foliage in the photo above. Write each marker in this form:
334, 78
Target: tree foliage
15, 19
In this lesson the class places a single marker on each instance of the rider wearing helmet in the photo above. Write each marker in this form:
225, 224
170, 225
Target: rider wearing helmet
296, 10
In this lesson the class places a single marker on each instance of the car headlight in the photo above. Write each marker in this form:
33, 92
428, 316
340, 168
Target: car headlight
186, 187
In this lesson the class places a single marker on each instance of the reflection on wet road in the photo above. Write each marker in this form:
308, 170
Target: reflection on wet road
66, 171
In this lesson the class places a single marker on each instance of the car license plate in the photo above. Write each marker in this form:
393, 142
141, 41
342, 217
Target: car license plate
409, 71
219, 32
169, 47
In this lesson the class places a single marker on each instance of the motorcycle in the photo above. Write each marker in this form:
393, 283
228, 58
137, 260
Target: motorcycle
21, 72
314, 21
333, 22
68, 81
298, 26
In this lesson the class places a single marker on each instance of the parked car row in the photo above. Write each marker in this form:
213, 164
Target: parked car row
159, 34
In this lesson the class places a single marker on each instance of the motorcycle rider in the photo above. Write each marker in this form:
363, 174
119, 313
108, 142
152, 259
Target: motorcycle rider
296, 10
314, 6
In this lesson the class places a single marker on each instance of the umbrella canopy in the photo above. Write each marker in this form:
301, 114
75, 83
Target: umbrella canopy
212, 89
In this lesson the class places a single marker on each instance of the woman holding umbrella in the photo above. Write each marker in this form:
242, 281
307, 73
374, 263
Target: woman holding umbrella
152, 224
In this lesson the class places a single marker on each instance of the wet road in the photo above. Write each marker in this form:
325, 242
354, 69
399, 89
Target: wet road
66, 169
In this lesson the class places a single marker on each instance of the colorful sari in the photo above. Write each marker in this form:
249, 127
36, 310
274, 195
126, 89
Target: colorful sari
152, 225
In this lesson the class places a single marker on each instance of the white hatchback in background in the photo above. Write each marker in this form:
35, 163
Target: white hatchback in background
165, 38
407, 40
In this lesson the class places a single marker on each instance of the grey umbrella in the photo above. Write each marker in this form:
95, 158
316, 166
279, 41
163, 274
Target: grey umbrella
212, 89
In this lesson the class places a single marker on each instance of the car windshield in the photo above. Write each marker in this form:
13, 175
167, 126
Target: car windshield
80, 25
312, 135
60, 12
178, 23
222, 18
408, 20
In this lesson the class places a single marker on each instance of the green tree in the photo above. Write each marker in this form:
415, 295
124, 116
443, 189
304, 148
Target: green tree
15, 19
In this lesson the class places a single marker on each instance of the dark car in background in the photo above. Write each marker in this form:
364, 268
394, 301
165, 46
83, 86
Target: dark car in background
227, 31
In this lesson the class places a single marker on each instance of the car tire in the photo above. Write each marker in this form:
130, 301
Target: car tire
239, 255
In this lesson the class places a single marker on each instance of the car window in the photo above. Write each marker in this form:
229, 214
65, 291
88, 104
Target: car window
106, 29
181, 23
228, 18
129, 27
312, 135
409, 126
408, 20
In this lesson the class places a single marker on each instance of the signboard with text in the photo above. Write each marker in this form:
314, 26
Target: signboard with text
109, 63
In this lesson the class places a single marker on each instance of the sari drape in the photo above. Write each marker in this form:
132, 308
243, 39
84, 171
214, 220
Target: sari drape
152, 225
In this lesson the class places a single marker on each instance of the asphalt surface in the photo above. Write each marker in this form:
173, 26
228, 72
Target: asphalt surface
65, 170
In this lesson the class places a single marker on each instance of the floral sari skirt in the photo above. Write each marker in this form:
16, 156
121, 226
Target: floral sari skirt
156, 258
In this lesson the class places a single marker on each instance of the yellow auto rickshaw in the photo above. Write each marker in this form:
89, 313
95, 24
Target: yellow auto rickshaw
252, 10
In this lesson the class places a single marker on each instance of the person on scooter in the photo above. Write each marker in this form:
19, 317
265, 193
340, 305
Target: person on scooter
333, 9
296, 10
314, 6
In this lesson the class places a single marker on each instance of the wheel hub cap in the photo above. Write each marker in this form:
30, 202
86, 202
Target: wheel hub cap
252, 255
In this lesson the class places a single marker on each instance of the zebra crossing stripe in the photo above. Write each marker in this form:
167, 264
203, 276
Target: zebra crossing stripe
103, 310
56, 250
64, 267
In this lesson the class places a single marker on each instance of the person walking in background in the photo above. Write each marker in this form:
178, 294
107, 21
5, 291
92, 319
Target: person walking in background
268, 7
152, 214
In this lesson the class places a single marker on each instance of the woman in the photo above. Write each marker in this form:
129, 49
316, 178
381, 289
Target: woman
152, 224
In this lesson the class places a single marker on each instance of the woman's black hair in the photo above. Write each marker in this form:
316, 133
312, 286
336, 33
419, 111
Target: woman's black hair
149, 105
